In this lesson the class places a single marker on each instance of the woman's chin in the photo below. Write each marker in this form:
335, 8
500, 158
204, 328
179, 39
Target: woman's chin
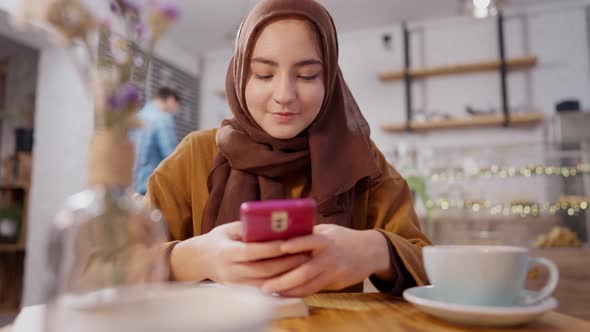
283, 132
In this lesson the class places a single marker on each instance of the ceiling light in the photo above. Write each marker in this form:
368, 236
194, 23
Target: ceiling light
481, 8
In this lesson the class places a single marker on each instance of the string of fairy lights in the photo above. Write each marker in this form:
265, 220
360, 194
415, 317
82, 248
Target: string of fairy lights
571, 206
496, 171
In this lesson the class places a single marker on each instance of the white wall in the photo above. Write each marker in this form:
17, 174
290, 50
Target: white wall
213, 107
177, 56
556, 35
9, 5
63, 126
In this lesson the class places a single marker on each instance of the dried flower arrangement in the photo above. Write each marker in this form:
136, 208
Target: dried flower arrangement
115, 96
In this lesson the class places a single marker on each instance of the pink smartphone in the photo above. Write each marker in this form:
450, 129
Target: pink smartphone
277, 219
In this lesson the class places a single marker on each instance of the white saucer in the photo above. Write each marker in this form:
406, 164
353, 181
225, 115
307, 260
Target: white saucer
425, 299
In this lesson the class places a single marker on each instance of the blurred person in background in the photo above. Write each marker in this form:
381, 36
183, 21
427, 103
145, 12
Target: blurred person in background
156, 139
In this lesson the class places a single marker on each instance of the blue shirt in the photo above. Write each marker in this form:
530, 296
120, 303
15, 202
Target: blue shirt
155, 141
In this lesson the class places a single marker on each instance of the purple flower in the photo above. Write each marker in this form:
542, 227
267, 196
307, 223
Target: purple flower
140, 30
127, 95
116, 8
167, 9
123, 7
132, 6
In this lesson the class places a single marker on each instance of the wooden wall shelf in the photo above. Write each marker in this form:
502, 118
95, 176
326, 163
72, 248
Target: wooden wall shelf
15, 186
465, 68
516, 119
9, 247
8, 312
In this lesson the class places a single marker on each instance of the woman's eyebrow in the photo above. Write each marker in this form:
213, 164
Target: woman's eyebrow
265, 61
309, 62
303, 63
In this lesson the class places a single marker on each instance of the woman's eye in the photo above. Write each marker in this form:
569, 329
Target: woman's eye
263, 77
309, 78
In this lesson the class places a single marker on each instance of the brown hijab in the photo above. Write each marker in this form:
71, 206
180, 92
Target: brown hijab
334, 151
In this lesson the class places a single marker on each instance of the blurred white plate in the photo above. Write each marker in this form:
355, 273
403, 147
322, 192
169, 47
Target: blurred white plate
167, 308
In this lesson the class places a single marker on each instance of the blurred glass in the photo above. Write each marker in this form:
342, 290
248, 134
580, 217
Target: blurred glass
102, 243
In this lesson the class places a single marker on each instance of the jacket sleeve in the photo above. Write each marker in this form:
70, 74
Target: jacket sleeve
391, 211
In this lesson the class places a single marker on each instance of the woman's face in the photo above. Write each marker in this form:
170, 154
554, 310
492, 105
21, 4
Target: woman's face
285, 82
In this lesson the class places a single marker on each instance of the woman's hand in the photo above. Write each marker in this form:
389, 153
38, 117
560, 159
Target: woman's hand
341, 257
221, 256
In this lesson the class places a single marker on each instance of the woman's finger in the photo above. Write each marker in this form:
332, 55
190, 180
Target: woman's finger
321, 228
305, 244
233, 230
309, 288
296, 277
270, 267
241, 252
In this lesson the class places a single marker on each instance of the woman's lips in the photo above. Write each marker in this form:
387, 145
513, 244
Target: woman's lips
283, 117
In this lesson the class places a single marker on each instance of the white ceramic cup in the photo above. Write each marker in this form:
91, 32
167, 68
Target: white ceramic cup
485, 275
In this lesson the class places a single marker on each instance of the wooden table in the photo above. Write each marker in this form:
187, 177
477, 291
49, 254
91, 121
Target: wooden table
381, 312
573, 289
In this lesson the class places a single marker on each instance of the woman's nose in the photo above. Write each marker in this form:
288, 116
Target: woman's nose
284, 90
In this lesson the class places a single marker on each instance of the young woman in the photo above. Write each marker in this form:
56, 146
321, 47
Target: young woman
296, 132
